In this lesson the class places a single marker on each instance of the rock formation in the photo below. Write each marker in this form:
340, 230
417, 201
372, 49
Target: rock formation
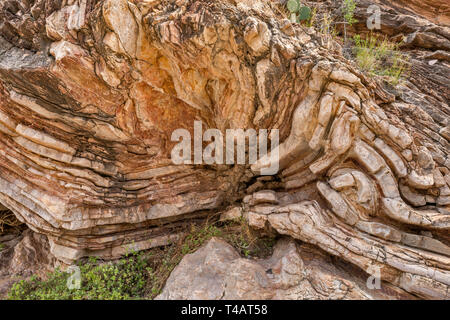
21, 256
216, 271
91, 91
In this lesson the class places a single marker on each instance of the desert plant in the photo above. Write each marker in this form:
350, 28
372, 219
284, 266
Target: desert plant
327, 28
298, 12
348, 11
398, 69
349, 7
367, 53
380, 57
312, 19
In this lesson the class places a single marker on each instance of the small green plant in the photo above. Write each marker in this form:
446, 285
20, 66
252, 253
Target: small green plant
348, 10
367, 53
399, 68
298, 12
312, 19
380, 57
349, 7
328, 29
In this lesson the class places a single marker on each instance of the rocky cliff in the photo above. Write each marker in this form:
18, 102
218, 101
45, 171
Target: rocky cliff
91, 92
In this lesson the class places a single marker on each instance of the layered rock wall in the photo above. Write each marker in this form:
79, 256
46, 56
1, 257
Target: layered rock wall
91, 93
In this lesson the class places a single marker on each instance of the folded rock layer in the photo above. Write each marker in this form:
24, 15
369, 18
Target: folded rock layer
91, 92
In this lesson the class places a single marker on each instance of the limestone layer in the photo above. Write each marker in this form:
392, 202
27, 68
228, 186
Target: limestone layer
91, 91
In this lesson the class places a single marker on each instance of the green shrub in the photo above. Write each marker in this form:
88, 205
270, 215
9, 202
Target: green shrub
348, 8
380, 57
120, 281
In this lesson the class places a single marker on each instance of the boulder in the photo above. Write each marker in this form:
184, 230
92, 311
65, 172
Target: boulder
293, 272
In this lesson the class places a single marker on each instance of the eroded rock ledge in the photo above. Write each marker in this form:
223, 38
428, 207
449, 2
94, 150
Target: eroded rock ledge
293, 272
90, 96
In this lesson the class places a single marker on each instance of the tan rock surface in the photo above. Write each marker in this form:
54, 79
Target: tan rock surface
293, 272
91, 91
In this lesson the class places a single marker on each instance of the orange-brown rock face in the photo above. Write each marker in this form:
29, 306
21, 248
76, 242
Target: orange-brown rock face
90, 97
437, 11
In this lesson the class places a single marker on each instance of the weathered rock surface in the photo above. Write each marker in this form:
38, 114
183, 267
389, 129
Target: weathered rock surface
216, 271
22, 255
92, 91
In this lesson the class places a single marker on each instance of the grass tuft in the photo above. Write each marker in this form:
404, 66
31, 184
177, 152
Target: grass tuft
381, 57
